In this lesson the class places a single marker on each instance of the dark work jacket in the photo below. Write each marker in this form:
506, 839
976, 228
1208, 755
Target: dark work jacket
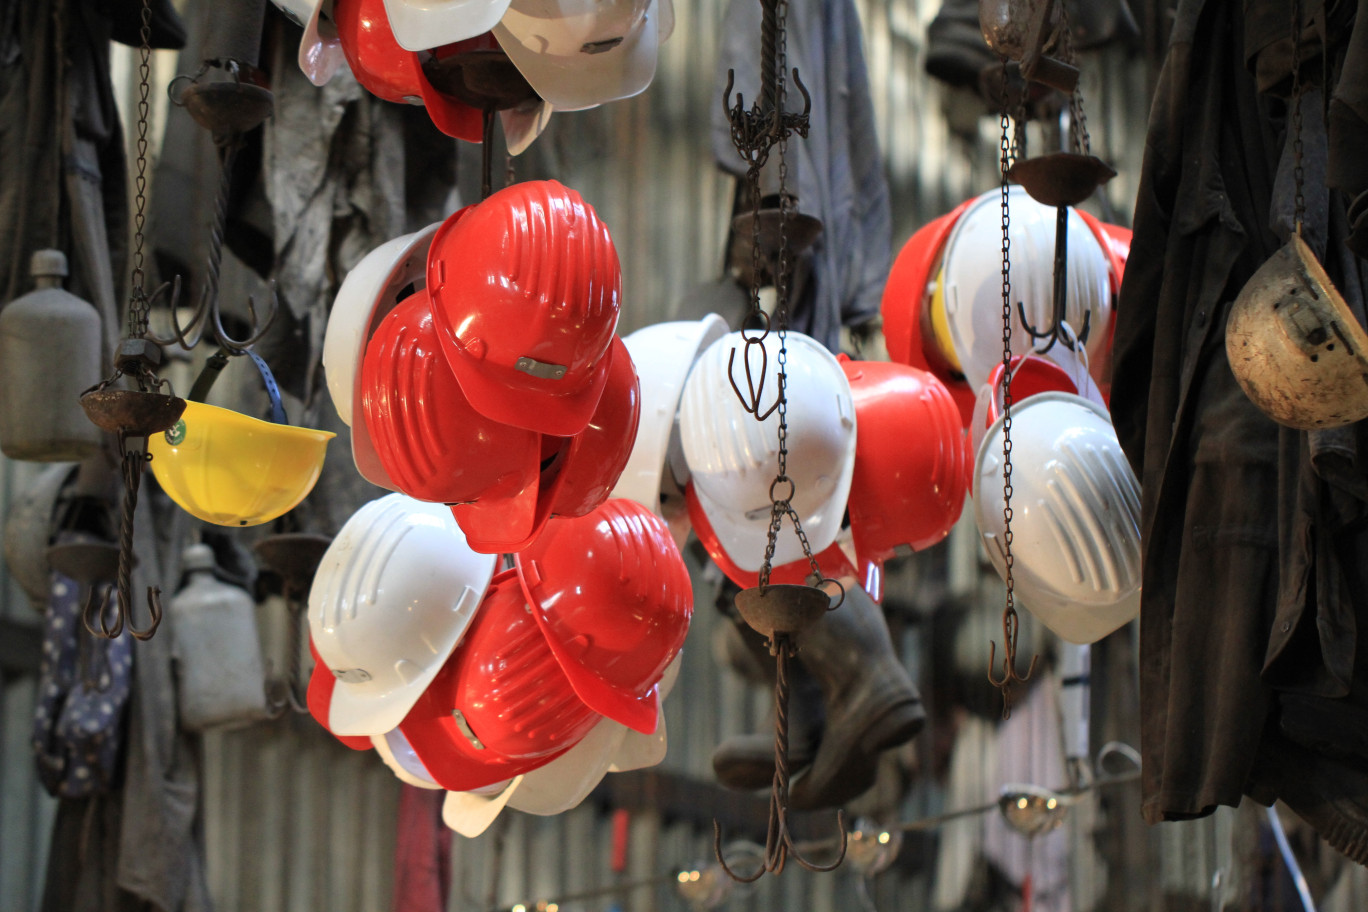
1245, 602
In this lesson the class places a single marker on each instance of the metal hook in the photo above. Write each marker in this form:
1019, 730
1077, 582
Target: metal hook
133, 462
1057, 331
779, 845
208, 314
751, 402
1009, 672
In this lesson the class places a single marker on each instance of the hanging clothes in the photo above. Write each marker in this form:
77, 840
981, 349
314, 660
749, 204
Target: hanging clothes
1254, 534
840, 175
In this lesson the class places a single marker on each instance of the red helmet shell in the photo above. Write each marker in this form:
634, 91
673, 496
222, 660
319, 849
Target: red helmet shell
614, 599
509, 691
911, 457
526, 288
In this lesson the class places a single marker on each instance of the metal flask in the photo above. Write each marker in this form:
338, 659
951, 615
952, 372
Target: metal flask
219, 668
50, 353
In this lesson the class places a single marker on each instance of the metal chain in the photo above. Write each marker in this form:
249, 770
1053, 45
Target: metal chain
1298, 169
138, 304
1010, 621
1081, 141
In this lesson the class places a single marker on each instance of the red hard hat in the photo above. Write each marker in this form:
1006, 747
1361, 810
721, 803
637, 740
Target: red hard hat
577, 473
1116, 242
501, 688
319, 700
526, 290
388, 71
832, 562
614, 599
433, 445
904, 306
911, 459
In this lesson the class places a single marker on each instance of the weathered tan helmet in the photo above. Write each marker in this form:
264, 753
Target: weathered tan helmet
1298, 351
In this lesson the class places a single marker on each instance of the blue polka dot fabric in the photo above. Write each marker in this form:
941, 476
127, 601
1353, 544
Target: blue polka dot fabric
84, 683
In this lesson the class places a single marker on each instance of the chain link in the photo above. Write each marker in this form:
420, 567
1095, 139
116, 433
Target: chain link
138, 304
1080, 139
1298, 169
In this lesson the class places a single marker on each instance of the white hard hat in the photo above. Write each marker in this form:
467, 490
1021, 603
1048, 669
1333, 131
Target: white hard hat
320, 50
471, 813
663, 355
390, 601
639, 751
733, 459
422, 24
369, 292
524, 123
395, 750
971, 281
1076, 515
581, 53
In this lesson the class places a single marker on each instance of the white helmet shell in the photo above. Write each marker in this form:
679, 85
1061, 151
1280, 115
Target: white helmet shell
971, 277
394, 749
663, 354
1076, 515
581, 53
392, 597
733, 458
422, 24
369, 292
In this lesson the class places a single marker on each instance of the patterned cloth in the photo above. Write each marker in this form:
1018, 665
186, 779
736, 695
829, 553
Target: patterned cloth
84, 685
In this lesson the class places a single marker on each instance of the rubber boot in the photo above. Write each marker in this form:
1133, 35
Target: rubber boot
746, 762
871, 703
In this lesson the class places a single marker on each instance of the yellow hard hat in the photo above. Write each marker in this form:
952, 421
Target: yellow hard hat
940, 324
226, 468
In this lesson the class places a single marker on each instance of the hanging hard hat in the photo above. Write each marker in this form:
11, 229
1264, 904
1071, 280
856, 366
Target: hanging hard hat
422, 24
1076, 515
537, 709
1031, 374
612, 595
1294, 345
832, 562
504, 482
392, 597
972, 280
230, 469
733, 458
663, 354
909, 333
320, 51
389, 72
526, 290
396, 753
373, 287
581, 53
911, 458
513, 695
319, 700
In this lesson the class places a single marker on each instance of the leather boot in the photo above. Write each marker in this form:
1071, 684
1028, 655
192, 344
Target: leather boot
746, 762
871, 702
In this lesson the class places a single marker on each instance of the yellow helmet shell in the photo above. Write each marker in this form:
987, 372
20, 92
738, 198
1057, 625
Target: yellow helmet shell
232, 470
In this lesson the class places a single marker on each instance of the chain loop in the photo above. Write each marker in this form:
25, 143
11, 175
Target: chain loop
1298, 169
138, 303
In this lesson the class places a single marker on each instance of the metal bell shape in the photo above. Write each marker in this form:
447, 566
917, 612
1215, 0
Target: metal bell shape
50, 353
219, 668
1298, 351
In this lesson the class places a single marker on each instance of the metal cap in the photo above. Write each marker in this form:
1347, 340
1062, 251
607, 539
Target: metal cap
48, 263
198, 557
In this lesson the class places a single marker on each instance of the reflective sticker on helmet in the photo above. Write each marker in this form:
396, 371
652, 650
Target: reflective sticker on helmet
176, 435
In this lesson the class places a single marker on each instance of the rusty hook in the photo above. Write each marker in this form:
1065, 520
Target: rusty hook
133, 463
1009, 671
799, 122
779, 845
751, 402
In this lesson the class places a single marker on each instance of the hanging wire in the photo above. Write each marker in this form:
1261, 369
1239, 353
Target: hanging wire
1298, 169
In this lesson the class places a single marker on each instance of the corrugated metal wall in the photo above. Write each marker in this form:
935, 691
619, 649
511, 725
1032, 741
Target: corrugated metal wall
294, 821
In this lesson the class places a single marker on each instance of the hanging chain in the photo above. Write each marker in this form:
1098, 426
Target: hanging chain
1081, 141
1298, 169
1010, 621
138, 303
